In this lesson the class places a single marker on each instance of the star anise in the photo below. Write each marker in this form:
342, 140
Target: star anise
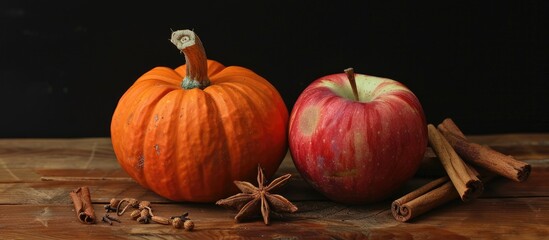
253, 199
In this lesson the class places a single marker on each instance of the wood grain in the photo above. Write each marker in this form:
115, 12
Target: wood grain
36, 176
319, 220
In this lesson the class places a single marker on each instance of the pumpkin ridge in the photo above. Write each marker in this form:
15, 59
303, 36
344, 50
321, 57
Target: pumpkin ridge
133, 162
157, 150
205, 149
249, 78
256, 102
220, 178
235, 73
224, 99
158, 79
260, 85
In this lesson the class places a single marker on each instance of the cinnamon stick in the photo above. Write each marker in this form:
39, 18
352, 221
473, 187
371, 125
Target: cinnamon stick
483, 156
442, 190
82, 205
451, 126
464, 178
423, 199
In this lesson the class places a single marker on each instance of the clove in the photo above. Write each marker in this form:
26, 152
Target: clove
135, 214
111, 207
109, 219
144, 217
183, 221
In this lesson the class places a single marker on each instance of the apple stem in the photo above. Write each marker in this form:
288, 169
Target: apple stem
351, 77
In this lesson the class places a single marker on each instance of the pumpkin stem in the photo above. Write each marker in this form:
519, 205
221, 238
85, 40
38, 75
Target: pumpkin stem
351, 77
195, 59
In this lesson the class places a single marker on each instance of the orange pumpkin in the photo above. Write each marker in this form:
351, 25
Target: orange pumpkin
188, 133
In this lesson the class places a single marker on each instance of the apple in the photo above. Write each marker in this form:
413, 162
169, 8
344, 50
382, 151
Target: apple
357, 138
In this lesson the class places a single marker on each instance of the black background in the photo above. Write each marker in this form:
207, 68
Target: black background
65, 64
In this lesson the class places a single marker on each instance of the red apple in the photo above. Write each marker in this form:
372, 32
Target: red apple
357, 148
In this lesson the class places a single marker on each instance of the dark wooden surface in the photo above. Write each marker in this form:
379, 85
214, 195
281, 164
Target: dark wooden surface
36, 176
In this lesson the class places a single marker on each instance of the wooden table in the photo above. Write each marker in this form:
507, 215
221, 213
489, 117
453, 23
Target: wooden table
36, 176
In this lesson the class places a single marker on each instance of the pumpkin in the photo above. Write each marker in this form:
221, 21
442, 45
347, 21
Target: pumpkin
187, 133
